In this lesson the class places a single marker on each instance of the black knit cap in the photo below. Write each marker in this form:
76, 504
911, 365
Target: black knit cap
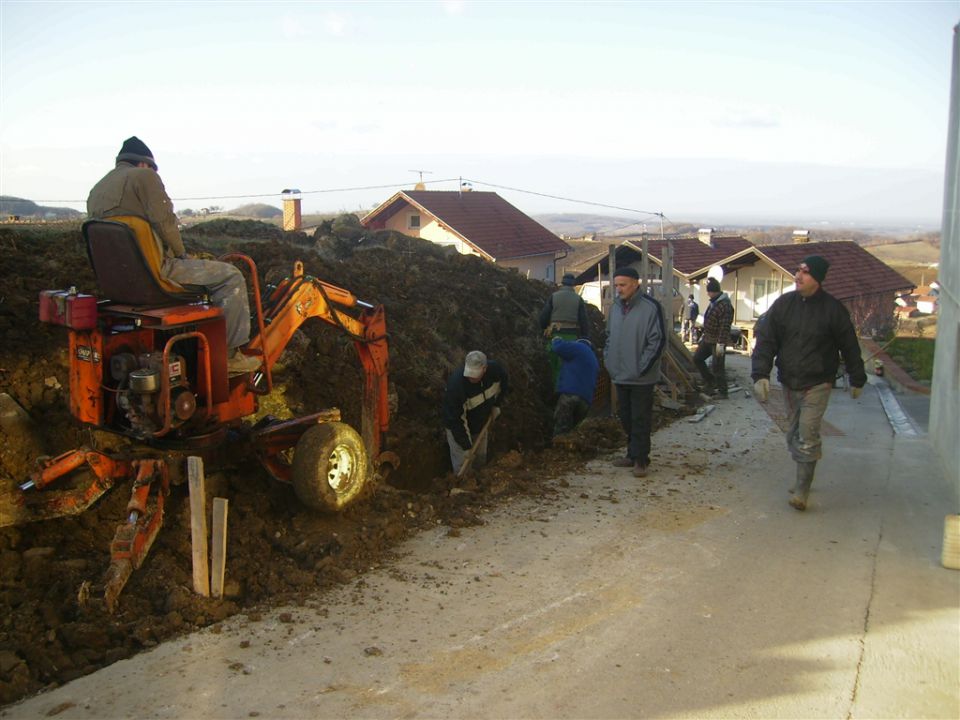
135, 151
713, 285
627, 272
817, 267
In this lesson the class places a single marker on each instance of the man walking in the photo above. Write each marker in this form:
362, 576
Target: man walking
473, 395
578, 380
806, 330
716, 333
133, 192
636, 337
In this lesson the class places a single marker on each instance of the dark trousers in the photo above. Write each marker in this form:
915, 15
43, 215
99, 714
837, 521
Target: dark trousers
570, 410
717, 378
635, 407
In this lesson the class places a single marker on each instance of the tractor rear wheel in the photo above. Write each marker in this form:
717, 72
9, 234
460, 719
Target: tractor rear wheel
330, 468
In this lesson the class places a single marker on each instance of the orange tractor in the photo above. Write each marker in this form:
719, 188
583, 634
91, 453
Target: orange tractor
150, 364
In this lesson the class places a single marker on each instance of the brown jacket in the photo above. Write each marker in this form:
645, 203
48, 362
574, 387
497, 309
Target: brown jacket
131, 190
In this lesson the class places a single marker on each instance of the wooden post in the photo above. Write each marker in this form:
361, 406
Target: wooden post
218, 551
666, 283
198, 526
607, 309
644, 263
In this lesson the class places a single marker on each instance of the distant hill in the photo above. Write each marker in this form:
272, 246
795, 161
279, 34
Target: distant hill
23, 208
256, 210
606, 227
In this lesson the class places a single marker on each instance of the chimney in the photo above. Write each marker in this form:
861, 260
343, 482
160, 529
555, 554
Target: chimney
420, 186
291, 209
705, 235
801, 236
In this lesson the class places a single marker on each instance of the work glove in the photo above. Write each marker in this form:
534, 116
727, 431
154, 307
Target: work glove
855, 392
761, 388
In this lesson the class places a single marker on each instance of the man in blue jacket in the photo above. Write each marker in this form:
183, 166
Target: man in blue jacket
636, 337
577, 381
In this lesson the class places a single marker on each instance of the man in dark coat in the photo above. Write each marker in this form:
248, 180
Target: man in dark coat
716, 333
473, 396
805, 332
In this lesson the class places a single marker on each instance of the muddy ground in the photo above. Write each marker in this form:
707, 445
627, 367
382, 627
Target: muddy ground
55, 626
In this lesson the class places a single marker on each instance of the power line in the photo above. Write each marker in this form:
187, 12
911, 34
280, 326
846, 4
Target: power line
274, 194
566, 199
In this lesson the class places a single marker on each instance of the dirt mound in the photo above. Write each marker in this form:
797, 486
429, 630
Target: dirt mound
439, 305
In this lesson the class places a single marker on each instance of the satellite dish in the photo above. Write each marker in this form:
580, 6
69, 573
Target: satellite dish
715, 271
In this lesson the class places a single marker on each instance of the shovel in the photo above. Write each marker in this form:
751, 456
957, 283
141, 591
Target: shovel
472, 452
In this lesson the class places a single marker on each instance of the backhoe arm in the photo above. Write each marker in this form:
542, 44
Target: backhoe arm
301, 297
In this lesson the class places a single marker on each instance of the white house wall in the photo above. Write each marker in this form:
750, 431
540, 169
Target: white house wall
945, 394
742, 282
535, 267
429, 229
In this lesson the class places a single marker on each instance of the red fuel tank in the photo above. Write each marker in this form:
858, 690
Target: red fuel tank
69, 308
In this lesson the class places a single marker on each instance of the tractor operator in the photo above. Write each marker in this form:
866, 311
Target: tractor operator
133, 188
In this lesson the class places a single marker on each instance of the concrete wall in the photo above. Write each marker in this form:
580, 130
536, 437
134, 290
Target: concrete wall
945, 395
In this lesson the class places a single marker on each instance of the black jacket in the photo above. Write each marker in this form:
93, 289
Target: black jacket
467, 405
807, 336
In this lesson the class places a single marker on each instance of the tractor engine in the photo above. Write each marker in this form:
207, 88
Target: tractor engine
139, 394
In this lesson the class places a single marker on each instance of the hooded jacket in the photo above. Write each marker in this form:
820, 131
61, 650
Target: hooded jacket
636, 337
807, 336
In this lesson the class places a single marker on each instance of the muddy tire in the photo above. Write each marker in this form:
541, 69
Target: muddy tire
330, 467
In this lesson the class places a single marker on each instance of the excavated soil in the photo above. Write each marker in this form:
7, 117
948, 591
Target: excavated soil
54, 625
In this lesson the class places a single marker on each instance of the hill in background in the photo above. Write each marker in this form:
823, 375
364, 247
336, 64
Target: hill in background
22, 208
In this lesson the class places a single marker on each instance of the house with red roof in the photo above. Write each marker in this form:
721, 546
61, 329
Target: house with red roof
473, 223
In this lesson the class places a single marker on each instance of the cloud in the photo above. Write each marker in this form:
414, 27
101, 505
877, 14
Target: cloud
336, 24
751, 119
454, 7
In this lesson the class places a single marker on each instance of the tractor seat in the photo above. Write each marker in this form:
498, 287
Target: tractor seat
123, 272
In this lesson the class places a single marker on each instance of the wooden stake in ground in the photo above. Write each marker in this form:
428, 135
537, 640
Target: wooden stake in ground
218, 549
198, 526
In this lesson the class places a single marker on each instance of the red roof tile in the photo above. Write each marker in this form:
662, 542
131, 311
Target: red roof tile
853, 271
484, 219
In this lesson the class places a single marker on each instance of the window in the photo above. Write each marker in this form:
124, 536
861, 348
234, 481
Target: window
765, 291
414, 223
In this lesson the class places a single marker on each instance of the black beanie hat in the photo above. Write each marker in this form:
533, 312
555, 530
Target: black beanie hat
134, 151
627, 272
817, 267
713, 285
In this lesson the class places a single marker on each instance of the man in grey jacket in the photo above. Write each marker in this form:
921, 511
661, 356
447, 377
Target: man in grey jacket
636, 337
134, 189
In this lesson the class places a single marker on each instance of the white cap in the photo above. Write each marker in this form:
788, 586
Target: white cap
474, 365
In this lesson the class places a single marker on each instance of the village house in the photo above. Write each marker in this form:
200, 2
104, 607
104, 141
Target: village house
474, 223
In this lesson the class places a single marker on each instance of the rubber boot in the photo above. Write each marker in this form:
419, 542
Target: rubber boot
802, 489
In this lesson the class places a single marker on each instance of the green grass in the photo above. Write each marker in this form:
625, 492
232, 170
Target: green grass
915, 355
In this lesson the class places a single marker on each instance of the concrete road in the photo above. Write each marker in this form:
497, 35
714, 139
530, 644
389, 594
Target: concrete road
696, 592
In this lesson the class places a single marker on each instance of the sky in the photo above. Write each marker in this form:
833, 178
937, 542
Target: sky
788, 112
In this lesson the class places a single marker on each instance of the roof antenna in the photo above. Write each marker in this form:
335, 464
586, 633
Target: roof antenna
420, 184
